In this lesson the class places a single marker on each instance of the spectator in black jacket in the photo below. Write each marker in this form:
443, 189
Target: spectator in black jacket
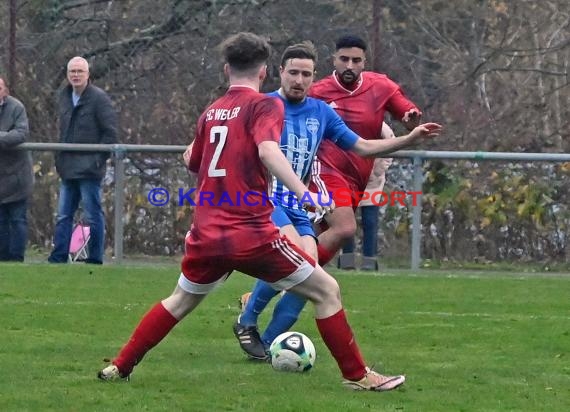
86, 115
16, 177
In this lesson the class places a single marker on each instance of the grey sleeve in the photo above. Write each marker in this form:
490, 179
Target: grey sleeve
19, 132
108, 120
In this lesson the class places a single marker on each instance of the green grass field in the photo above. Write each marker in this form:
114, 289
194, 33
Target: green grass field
468, 341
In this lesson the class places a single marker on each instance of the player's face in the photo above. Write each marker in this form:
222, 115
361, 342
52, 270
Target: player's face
296, 78
349, 63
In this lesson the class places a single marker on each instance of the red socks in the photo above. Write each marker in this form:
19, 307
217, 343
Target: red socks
153, 327
338, 337
325, 255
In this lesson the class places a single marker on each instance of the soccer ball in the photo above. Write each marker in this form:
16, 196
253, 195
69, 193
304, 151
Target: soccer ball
292, 352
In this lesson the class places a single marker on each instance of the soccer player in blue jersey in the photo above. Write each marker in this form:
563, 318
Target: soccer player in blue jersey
308, 121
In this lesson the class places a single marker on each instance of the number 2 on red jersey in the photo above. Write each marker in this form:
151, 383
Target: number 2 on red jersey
218, 135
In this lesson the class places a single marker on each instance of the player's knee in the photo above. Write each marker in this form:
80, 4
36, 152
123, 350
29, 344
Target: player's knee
346, 230
320, 288
330, 291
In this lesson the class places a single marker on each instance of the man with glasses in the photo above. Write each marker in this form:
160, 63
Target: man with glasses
86, 115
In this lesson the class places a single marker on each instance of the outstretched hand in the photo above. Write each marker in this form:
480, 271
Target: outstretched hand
426, 131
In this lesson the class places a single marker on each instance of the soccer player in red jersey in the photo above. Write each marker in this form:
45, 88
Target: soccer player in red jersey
236, 145
361, 98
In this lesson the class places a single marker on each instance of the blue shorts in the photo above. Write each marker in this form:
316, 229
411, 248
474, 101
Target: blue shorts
299, 218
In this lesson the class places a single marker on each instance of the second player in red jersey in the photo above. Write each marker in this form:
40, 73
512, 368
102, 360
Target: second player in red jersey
361, 98
362, 109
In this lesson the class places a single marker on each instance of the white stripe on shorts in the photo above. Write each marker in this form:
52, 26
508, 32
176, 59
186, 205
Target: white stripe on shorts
199, 288
289, 252
316, 177
301, 274
303, 271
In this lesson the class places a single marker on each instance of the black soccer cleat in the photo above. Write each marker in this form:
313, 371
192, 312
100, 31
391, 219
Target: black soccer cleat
250, 341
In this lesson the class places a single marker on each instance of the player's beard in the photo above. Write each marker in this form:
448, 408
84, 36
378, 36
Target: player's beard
295, 98
348, 77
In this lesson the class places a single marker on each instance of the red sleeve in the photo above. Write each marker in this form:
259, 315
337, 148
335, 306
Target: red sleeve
317, 88
198, 147
268, 119
398, 105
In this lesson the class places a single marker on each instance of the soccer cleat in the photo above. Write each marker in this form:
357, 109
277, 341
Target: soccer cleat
111, 373
250, 341
373, 381
243, 299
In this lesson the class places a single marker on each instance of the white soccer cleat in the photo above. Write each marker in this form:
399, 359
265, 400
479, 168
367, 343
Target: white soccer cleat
373, 381
111, 373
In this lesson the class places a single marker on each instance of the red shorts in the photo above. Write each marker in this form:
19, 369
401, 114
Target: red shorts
278, 262
345, 192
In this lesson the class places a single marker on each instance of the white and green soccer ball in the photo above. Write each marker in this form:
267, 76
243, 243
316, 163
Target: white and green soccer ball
292, 352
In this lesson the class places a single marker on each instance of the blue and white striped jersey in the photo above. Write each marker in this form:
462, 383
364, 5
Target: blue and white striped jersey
306, 125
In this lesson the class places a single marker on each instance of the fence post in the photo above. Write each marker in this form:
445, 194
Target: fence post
118, 157
417, 213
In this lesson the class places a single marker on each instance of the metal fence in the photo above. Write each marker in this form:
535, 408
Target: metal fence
120, 151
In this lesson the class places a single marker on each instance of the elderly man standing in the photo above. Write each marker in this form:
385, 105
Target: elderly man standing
86, 115
16, 177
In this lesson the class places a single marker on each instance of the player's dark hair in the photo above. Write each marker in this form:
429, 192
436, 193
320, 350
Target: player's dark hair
346, 42
304, 50
245, 51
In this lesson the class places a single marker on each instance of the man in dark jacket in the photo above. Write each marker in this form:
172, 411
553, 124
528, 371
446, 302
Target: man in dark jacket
16, 177
86, 115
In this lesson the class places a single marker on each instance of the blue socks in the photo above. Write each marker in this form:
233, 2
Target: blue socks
261, 294
285, 315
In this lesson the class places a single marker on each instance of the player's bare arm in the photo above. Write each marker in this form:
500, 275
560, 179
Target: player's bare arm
378, 148
187, 154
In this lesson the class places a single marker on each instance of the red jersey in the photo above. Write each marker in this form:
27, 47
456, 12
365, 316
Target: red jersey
231, 214
363, 111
